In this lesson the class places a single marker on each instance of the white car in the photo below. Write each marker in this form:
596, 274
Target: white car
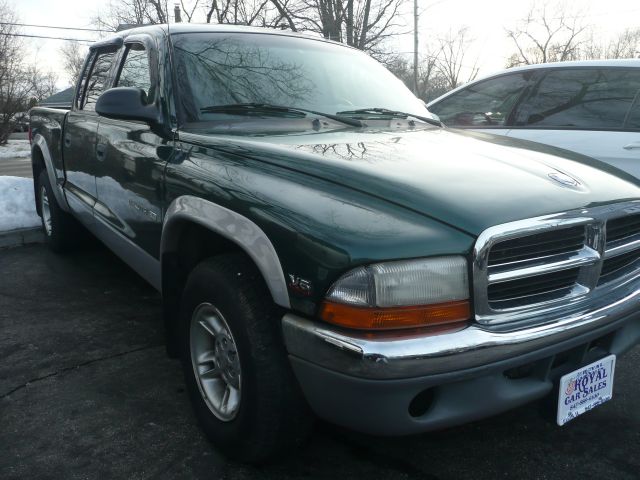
590, 107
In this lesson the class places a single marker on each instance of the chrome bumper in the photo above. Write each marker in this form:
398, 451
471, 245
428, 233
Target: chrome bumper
367, 356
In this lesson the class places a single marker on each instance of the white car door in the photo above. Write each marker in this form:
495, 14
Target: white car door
593, 111
621, 149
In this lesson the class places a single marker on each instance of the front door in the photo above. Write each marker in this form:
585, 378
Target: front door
130, 182
80, 135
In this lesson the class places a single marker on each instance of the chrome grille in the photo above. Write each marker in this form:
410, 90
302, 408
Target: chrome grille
536, 250
537, 245
624, 227
504, 294
526, 270
615, 266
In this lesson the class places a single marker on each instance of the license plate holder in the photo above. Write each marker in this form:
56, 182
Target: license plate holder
585, 388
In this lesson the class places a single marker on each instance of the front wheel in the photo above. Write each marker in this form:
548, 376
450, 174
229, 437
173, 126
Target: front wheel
236, 369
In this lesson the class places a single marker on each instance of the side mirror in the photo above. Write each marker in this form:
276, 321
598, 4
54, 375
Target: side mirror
126, 103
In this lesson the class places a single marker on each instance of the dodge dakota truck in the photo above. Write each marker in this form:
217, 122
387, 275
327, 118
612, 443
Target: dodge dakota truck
325, 248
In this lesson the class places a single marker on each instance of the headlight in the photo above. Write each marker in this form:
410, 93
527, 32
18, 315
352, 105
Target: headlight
403, 294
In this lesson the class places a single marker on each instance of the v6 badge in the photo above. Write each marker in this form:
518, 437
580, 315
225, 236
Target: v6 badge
300, 285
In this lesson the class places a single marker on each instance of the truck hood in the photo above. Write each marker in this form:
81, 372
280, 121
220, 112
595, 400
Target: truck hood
468, 180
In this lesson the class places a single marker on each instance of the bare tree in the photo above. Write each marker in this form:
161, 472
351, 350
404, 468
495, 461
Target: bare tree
131, 12
547, 34
453, 61
428, 77
626, 45
242, 12
432, 82
73, 55
12, 78
20, 85
363, 24
189, 10
40, 84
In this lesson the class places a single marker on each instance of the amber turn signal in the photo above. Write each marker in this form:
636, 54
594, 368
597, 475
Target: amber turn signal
388, 318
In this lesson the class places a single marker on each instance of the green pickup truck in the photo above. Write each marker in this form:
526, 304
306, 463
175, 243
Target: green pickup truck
324, 247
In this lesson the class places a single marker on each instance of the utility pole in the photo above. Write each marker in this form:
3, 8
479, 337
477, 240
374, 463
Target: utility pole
415, 47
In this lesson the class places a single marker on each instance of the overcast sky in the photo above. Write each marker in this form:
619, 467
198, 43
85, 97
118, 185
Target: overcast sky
486, 19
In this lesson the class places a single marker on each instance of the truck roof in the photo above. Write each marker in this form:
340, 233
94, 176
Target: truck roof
178, 28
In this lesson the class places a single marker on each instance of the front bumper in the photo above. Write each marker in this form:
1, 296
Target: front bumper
401, 385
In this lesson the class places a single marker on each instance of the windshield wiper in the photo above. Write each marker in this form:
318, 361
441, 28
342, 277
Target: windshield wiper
265, 108
391, 113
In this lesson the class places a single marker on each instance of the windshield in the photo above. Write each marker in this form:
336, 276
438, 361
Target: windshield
222, 69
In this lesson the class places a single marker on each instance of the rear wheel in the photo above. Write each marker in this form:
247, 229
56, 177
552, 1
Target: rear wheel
62, 232
238, 376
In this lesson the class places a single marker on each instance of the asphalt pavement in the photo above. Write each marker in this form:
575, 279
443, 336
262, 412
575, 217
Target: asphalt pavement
86, 391
16, 167
19, 136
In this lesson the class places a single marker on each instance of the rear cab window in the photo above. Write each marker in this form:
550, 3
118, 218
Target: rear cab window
581, 98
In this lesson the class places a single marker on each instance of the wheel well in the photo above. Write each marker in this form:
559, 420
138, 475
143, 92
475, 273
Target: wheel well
37, 166
195, 244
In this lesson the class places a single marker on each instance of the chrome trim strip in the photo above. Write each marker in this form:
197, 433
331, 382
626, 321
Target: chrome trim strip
56, 183
586, 256
233, 226
377, 357
620, 247
589, 260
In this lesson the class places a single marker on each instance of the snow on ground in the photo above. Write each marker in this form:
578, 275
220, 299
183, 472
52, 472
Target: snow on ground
17, 206
15, 149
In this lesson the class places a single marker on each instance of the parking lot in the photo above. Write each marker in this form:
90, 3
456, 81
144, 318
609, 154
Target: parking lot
86, 391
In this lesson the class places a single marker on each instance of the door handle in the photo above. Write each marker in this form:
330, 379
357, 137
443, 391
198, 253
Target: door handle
67, 141
101, 151
632, 146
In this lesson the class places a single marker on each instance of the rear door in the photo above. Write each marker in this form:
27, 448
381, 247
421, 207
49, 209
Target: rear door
593, 111
130, 186
80, 133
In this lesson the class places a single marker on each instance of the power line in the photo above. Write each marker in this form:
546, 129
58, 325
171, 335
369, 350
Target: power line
50, 38
59, 28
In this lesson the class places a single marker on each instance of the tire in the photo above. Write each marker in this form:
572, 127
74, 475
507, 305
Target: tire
61, 231
267, 415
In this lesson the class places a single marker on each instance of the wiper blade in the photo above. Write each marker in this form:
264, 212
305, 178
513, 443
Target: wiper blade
265, 108
392, 113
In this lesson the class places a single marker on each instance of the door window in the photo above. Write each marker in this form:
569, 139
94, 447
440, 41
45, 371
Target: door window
135, 71
581, 98
98, 79
486, 103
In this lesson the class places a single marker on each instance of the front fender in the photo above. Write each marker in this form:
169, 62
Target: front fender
233, 226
